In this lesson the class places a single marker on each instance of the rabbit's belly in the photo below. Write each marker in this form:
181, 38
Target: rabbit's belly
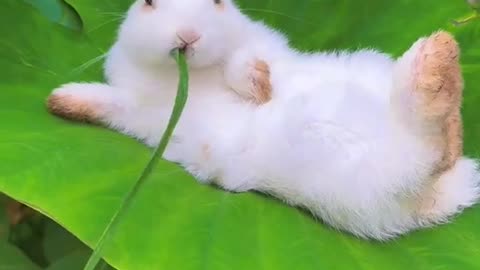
351, 147
352, 111
352, 182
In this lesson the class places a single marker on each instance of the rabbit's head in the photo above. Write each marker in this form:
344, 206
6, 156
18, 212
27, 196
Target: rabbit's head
206, 29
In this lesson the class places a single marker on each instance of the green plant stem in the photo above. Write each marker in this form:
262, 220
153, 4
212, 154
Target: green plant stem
180, 101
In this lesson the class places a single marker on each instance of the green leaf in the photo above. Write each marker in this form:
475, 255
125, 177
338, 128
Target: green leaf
63, 250
59, 243
74, 261
28, 236
12, 258
58, 11
78, 174
4, 226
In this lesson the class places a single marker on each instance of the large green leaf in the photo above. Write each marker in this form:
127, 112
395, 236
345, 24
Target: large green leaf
74, 261
59, 243
12, 258
58, 11
78, 174
4, 224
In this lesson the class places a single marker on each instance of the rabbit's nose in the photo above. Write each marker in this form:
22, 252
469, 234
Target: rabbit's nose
188, 37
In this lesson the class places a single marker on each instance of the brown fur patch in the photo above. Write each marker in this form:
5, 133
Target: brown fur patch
439, 85
439, 80
454, 136
70, 108
261, 81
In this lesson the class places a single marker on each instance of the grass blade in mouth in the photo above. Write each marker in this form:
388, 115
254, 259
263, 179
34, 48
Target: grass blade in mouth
180, 101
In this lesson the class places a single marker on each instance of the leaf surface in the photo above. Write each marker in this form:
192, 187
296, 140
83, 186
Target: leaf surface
77, 174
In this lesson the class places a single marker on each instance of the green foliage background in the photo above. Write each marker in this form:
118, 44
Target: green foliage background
77, 174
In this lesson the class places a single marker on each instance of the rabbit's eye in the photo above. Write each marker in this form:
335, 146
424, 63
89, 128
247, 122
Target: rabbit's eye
149, 2
217, 2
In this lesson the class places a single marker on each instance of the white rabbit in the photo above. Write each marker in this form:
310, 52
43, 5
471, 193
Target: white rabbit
369, 144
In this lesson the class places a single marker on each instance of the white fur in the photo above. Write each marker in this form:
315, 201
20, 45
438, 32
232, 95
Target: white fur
330, 140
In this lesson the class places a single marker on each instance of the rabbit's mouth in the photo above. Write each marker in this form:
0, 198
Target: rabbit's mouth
188, 51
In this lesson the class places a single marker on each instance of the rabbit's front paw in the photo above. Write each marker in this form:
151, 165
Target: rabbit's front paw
249, 77
75, 102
